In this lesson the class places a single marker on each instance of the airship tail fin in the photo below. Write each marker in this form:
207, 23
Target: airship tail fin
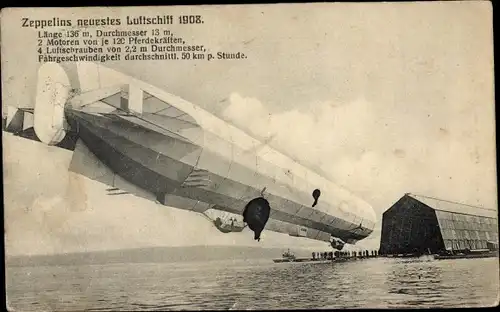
20, 122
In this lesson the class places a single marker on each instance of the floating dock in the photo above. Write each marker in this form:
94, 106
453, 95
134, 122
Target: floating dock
467, 256
327, 257
311, 260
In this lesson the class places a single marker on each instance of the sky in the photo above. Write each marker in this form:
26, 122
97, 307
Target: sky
383, 99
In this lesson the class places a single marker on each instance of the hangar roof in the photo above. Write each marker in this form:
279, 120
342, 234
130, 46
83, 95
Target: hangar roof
445, 205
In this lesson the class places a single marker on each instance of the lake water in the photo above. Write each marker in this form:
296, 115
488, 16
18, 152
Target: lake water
256, 284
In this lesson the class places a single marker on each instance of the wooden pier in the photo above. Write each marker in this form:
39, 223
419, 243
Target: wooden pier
325, 257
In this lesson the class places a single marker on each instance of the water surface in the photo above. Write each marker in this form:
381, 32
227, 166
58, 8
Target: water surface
255, 284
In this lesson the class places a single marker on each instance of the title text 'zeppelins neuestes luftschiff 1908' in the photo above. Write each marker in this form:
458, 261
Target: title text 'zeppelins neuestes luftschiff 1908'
108, 21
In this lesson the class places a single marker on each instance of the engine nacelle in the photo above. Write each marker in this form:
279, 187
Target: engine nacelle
336, 243
53, 91
224, 221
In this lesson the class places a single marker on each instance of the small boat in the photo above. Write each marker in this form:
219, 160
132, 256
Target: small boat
287, 256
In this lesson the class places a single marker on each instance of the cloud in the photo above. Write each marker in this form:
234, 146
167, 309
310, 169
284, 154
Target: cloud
320, 134
314, 133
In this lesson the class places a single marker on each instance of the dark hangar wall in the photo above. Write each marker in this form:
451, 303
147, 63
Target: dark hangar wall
410, 226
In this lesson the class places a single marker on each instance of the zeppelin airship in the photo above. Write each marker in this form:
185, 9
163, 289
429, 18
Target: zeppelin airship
141, 140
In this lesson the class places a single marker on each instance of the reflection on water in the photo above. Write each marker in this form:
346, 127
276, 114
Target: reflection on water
373, 283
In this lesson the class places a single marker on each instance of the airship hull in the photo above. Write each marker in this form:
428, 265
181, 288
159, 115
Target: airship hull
153, 144
171, 176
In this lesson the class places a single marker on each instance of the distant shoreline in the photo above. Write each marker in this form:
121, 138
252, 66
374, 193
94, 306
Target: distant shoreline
151, 255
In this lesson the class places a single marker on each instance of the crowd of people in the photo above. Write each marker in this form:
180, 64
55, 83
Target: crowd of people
344, 254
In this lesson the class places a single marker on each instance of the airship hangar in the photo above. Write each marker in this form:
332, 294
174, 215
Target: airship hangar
418, 224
